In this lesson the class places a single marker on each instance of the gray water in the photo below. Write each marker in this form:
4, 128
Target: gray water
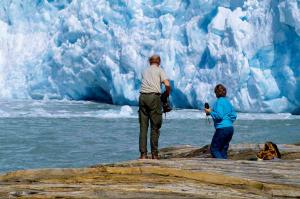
49, 134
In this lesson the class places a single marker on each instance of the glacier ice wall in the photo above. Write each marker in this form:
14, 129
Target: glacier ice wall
97, 49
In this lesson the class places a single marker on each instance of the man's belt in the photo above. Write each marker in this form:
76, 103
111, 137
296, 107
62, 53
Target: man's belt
150, 93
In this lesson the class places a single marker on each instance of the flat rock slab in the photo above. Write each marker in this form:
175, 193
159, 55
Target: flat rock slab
184, 173
236, 151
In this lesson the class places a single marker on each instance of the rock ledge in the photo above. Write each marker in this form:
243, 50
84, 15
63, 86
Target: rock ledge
183, 172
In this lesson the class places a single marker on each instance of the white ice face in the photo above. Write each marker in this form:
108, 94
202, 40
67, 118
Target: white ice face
97, 49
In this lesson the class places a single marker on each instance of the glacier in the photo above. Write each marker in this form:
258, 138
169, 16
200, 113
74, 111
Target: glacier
97, 49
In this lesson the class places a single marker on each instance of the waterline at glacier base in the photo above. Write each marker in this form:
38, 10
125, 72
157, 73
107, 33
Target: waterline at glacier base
68, 134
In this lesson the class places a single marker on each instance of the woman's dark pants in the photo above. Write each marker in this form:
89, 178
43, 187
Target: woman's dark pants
149, 110
220, 142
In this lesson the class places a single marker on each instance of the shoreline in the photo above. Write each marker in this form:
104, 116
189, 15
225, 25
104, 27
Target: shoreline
183, 172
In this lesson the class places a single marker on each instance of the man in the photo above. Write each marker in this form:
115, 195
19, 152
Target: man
150, 105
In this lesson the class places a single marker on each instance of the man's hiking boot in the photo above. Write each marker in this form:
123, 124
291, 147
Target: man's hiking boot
155, 156
143, 156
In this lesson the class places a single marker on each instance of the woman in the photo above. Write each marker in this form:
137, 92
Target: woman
223, 115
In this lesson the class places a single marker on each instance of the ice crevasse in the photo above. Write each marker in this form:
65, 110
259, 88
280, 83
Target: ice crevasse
97, 49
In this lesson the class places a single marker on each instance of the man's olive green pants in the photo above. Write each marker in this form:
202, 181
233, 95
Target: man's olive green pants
149, 110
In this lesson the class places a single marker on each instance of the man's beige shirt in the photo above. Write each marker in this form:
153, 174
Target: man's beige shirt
152, 78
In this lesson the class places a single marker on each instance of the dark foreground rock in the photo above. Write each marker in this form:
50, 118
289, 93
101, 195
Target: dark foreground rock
183, 172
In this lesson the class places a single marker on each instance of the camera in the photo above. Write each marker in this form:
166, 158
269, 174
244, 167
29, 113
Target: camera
206, 105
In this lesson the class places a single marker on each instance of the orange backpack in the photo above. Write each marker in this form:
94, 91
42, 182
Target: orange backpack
269, 152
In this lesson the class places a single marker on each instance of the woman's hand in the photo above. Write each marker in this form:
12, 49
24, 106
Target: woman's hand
207, 111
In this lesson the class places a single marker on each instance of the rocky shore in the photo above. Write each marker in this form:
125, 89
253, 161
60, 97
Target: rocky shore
182, 172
